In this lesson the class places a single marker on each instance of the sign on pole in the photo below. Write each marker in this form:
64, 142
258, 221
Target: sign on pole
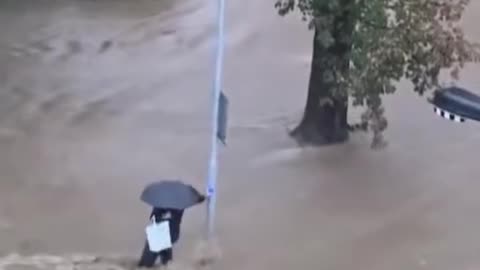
222, 118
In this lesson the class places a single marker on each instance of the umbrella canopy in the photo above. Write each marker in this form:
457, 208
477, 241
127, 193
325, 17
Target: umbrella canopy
171, 194
457, 102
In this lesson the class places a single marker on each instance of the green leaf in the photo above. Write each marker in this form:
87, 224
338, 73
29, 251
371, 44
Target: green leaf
385, 41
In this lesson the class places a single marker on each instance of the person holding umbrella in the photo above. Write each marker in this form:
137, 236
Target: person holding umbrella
169, 200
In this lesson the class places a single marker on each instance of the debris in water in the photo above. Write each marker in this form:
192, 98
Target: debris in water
106, 45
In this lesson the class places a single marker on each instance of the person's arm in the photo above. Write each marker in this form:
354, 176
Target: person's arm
175, 224
157, 213
180, 216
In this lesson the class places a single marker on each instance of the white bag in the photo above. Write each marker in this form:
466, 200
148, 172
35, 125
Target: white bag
158, 236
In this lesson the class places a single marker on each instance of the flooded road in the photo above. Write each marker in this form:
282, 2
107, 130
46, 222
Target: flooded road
84, 127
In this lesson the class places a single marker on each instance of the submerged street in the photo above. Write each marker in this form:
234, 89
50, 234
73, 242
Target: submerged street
85, 124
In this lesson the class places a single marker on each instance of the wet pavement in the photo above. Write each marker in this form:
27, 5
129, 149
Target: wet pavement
84, 128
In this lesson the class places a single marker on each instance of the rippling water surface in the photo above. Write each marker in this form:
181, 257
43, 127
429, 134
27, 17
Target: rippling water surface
97, 98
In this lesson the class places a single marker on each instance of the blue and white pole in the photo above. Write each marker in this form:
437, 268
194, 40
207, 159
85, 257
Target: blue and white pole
217, 88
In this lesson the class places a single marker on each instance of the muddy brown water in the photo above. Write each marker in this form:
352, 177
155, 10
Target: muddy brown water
82, 131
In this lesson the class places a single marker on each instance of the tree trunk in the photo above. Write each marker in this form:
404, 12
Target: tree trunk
325, 117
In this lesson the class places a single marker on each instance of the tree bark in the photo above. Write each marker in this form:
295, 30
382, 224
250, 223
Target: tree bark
324, 120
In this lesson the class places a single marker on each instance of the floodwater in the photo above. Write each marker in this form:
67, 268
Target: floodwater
84, 127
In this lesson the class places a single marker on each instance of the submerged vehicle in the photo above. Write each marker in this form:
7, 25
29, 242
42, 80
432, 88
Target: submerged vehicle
456, 104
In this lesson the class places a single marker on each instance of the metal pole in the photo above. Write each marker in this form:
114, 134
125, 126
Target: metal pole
213, 164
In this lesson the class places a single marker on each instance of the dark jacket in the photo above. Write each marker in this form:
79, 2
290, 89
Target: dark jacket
174, 221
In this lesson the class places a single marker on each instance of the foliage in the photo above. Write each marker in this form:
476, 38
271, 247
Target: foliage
392, 40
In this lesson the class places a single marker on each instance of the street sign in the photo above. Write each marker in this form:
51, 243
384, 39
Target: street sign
222, 119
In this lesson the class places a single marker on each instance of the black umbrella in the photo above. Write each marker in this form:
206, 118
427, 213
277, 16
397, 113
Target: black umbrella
457, 104
171, 194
